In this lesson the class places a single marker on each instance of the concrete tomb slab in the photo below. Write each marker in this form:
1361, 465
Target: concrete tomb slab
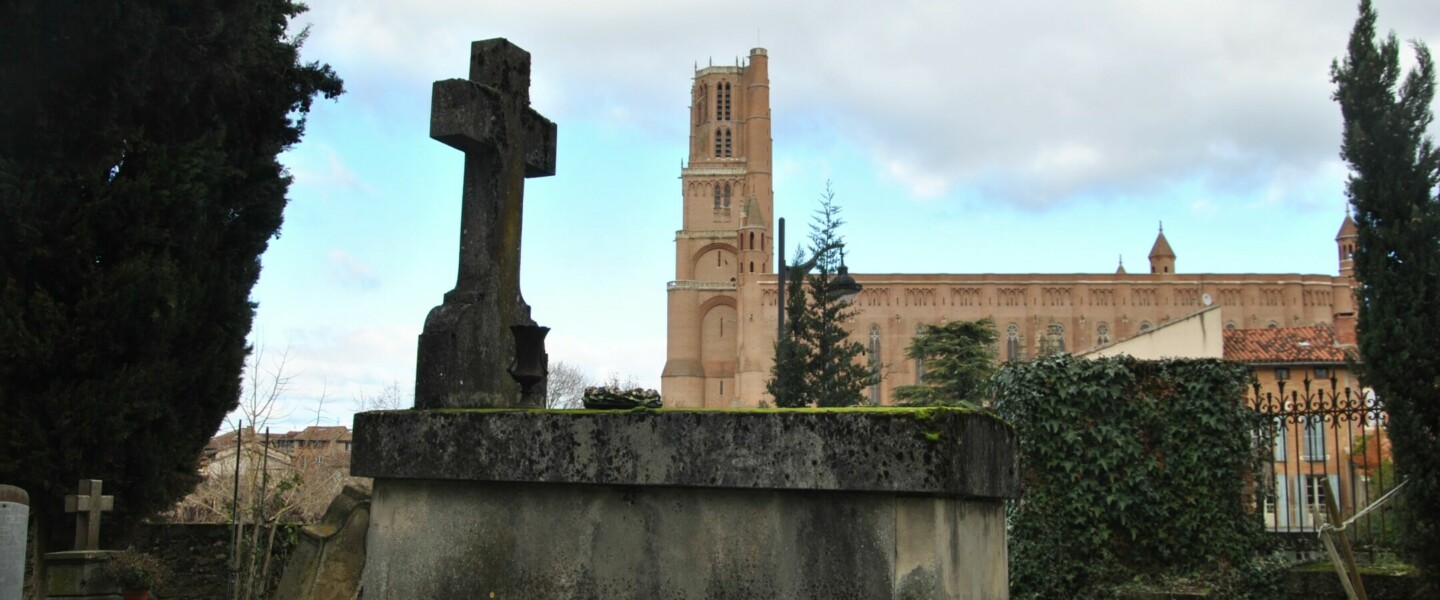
933, 451
881, 503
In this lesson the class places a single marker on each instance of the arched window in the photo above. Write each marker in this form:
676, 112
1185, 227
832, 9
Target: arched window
718, 143
1230, 325
1145, 326
752, 266
752, 240
723, 101
1102, 334
728, 151
919, 362
1273, 325
717, 197
875, 365
1012, 342
1056, 334
727, 195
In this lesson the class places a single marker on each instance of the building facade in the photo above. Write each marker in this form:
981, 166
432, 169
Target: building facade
722, 304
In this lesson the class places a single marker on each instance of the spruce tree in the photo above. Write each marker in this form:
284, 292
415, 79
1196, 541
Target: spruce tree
139, 186
959, 358
837, 378
1394, 169
815, 359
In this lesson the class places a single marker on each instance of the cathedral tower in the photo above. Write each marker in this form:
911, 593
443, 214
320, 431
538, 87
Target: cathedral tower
1345, 241
725, 238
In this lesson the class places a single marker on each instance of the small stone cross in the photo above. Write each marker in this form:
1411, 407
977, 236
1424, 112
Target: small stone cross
88, 504
466, 344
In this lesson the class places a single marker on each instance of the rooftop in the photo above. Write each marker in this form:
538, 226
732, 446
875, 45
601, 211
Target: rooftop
1314, 344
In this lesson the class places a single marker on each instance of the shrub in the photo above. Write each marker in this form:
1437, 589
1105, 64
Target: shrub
135, 570
1131, 469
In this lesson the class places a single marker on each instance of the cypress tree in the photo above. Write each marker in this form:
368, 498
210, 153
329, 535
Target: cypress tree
1394, 169
139, 186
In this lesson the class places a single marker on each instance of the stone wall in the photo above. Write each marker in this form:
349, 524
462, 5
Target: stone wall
199, 555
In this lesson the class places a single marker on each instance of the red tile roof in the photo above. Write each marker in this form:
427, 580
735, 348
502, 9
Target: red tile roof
332, 433
1283, 345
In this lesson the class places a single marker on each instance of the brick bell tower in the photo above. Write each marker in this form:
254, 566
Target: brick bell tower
724, 242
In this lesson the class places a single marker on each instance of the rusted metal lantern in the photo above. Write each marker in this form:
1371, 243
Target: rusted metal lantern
530, 366
844, 288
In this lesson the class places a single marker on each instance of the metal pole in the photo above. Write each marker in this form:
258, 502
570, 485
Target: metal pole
264, 479
780, 294
235, 515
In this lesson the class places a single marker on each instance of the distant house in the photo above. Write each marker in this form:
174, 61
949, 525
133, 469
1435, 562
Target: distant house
316, 445
255, 457
1321, 415
312, 446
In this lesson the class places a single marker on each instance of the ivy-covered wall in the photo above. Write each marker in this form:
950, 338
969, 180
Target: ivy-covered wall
1132, 470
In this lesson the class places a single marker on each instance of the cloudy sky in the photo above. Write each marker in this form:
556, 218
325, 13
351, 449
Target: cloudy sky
1032, 136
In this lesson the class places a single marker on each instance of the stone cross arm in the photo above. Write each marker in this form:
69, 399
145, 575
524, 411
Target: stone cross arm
470, 115
462, 120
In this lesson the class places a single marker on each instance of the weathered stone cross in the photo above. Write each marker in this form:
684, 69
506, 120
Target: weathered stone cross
88, 504
466, 344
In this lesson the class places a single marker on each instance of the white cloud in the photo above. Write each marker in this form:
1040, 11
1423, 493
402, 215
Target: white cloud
329, 369
615, 356
1116, 94
1204, 207
350, 272
320, 167
921, 184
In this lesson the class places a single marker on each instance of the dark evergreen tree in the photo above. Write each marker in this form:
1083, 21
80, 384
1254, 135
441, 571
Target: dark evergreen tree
837, 378
959, 358
815, 334
138, 187
1394, 169
787, 386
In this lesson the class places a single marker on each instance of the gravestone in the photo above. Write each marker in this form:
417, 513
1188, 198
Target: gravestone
14, 524
466, 345
88, 504
80, 573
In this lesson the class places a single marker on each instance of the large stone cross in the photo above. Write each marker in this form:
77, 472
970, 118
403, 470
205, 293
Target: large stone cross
466, 344
88, 504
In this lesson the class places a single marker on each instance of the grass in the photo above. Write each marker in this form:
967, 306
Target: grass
1389, 567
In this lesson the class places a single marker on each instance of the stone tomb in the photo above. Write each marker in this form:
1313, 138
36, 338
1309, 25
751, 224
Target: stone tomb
79, 574
475, 497
877, 503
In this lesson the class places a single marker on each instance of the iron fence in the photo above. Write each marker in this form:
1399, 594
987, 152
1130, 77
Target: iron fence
1316, 439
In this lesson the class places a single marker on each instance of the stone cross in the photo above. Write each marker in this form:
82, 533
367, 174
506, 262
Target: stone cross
466, 344
88, 504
